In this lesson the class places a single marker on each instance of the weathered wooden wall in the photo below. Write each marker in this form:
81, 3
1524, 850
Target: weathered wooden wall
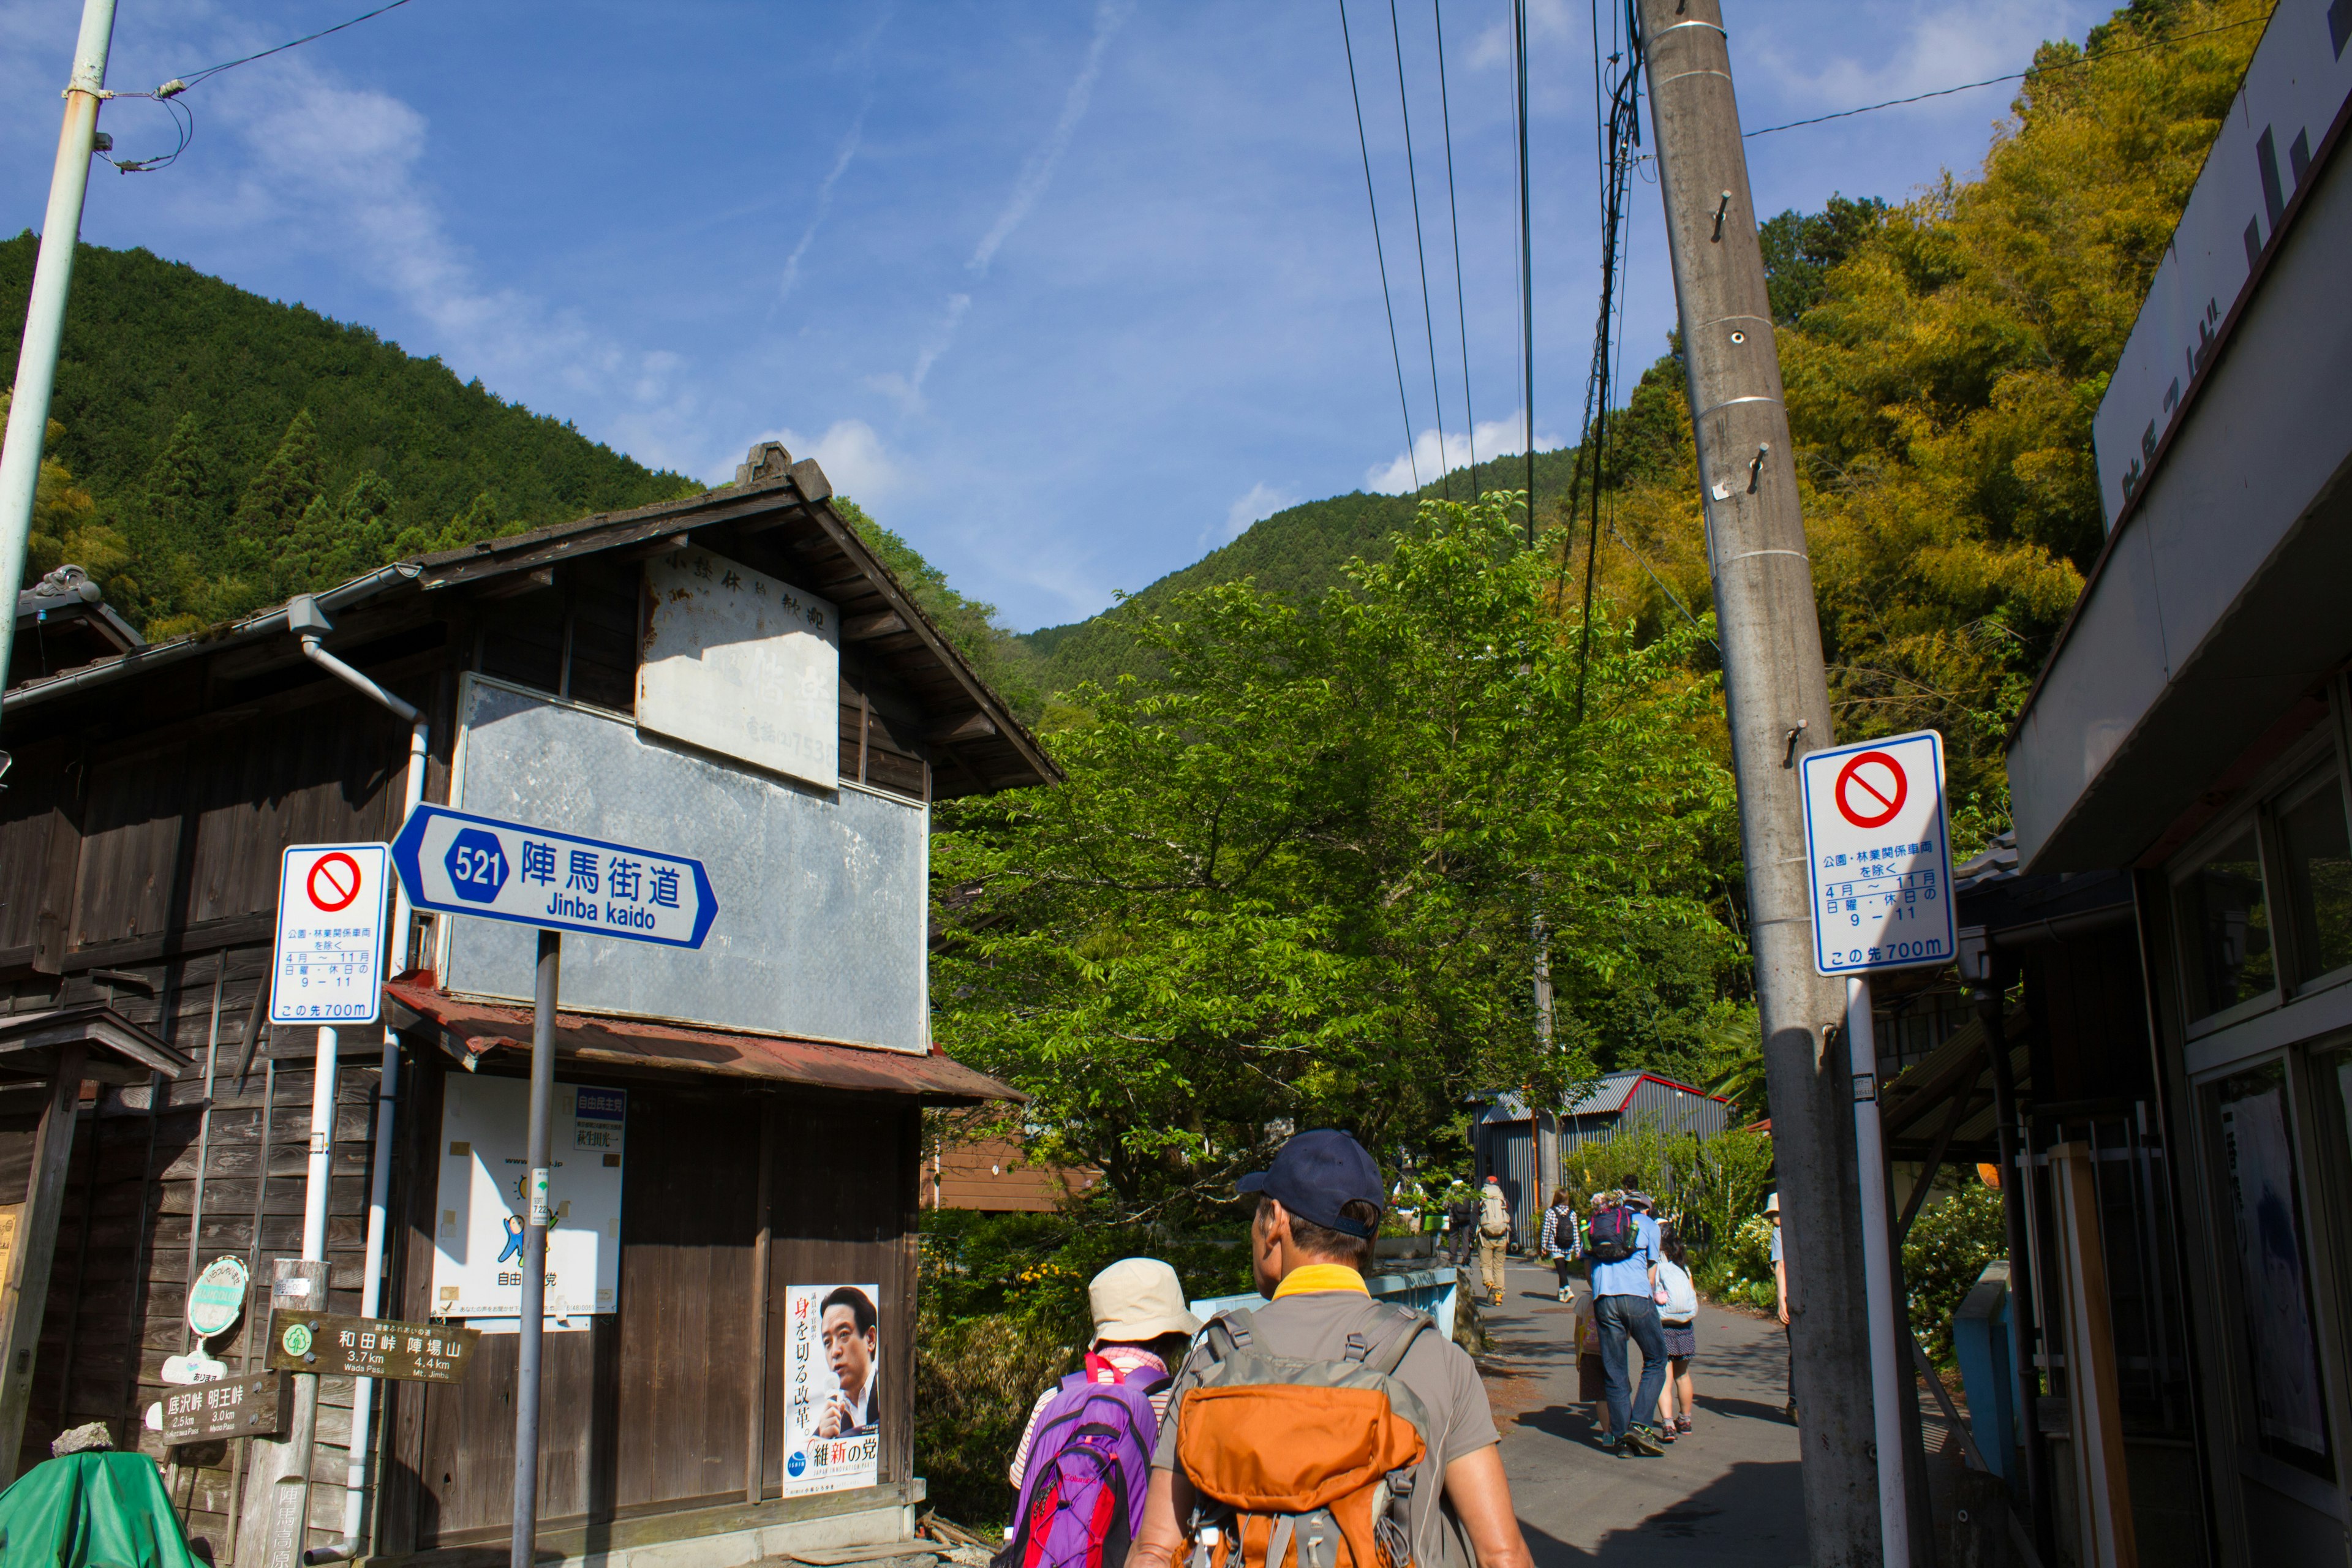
648, 1410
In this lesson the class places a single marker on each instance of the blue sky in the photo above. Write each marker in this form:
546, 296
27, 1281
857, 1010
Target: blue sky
1065, 293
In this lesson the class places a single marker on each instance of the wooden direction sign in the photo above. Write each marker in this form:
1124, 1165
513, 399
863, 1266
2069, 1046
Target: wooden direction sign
334, 1345
254, 1406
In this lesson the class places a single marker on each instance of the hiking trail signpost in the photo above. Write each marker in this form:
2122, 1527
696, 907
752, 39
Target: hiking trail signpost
456, 863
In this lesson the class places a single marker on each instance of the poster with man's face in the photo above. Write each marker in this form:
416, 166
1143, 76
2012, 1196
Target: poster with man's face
832, 1397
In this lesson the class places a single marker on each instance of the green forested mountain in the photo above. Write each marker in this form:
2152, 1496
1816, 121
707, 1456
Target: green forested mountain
1299, 550
213, 450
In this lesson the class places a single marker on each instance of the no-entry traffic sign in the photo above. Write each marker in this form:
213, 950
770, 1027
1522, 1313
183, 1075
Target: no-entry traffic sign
466, 865
327, 966
1878, 855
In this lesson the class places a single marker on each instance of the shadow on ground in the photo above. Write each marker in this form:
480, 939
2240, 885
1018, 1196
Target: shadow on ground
1713, 1525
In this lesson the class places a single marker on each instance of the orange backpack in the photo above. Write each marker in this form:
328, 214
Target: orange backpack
1301, 1464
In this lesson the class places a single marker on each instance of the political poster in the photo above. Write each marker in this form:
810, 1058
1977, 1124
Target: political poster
478, 1243
833, 1394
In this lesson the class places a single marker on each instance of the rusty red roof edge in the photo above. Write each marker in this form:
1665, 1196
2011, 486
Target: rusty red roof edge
477, 1027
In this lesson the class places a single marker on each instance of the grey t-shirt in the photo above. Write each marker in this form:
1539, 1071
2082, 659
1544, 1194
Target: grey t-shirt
1315, 1326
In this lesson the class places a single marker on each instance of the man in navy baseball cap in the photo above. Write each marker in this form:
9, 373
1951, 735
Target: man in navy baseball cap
1327, 1196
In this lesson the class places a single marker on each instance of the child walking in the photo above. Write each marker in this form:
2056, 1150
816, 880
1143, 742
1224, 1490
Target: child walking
1678, 1317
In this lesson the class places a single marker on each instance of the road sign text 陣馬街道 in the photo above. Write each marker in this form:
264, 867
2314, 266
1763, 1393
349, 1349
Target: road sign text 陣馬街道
328, 963
1878, 855
462, 864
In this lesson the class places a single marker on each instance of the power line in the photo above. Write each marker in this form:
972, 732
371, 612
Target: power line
2013, 75
1413, 183
182, 84
1387, 304
1453, 215
1619, 112
1526, 259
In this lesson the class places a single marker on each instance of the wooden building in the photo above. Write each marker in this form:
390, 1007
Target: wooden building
773, 1080
996, 1175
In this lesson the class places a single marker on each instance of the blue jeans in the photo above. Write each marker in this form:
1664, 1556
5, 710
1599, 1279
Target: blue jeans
1619, 1317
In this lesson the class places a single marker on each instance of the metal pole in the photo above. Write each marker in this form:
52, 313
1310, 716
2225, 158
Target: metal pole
2025, 1341
1887, 1383
534, 1252
45, 312
1776, 696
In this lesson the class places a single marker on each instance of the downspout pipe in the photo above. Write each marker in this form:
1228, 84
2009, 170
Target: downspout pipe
308, 622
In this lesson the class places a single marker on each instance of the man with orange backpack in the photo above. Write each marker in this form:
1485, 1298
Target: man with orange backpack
1325, 1430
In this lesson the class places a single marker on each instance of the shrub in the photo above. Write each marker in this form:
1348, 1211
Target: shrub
1948, 1247
1003, 1313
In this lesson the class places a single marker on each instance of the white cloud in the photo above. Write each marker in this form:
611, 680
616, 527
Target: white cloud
906, 390
1944, 45
850, 453
1038, 172
1547, 19
335, 169
849, 145
1262, 501
1496, 438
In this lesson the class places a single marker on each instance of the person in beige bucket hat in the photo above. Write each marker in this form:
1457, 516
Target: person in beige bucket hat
1141, 1329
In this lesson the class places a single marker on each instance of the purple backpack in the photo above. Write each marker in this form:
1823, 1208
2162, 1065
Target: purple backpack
1090, 1467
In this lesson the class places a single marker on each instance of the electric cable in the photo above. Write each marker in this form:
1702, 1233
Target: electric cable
1365, 147
184, 118
1413, 183
1526, 262
1454, 217
182, 83
2013, 75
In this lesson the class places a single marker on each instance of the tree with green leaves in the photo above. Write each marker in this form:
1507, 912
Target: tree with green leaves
1292, 878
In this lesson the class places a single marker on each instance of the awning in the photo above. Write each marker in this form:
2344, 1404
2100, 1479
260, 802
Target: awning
1916, 1108
469, 1030
119, 1051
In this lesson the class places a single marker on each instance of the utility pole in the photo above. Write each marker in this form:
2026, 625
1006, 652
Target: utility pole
1776, 695
45, 315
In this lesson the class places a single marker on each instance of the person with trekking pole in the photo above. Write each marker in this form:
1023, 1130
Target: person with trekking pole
1324, 1430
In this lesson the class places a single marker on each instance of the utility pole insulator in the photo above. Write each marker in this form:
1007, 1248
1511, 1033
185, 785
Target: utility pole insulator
1776, 696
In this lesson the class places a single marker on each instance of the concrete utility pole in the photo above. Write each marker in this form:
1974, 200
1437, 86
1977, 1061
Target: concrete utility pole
1777, 696
45, 315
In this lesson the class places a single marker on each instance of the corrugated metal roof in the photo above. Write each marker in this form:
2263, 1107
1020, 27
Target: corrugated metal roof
470, 1030
1607, 1096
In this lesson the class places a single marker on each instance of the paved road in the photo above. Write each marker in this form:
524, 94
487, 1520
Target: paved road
1726, 1494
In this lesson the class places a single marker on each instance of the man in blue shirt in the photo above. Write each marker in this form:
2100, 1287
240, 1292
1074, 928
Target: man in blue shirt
1625, 1306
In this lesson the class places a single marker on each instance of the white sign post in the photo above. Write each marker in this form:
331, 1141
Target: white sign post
1879, 856
328, 965
326, 968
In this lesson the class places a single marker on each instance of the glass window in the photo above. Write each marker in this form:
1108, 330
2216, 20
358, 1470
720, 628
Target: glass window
2273, 1268
2225, 928
2318, 856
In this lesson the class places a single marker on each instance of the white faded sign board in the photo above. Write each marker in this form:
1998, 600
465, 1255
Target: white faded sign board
482, 1197
327, 966
1878, 855
742, 665
2298, 91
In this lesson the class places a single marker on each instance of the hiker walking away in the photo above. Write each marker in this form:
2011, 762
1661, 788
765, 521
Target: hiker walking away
1290, 1423
1678, 1326
1780, 1299
1084, 1463
1494, 1237
1461, 1223
1562, 1240
1623, 1242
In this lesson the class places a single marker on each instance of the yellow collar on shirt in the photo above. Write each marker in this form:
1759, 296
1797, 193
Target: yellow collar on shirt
1310, 1276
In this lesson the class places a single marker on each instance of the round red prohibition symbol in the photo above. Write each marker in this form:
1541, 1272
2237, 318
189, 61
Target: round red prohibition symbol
334, 881
1869, 801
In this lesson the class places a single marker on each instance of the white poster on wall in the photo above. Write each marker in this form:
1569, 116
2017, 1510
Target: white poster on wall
833, 1387
742, 665
478, 1243
2261, 1161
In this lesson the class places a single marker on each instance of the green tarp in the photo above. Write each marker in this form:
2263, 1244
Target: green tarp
91, 1510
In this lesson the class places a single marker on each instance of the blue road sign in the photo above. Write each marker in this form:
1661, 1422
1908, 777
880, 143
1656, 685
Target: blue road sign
466, 865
